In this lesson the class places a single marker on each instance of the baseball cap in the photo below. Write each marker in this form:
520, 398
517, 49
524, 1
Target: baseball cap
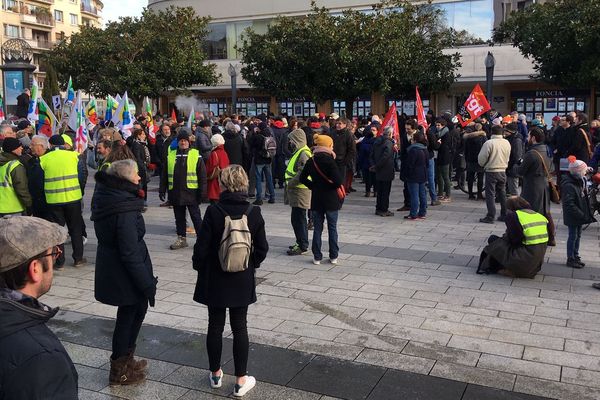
22, 238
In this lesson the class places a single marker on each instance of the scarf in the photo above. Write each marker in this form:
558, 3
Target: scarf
322, 149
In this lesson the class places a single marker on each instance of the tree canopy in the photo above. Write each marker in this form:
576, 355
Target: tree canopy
391, 48
144, 55
560, 38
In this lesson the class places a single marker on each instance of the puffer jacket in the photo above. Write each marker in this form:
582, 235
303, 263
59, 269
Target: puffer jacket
34, 364
298, 196
575, 201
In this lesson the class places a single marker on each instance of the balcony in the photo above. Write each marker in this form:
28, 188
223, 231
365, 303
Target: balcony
44, 1
89, 9
39, 20
39, 44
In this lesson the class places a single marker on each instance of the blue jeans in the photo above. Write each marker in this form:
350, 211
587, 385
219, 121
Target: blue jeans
318, 220
259, 171
431, 179
418, 199
573, 241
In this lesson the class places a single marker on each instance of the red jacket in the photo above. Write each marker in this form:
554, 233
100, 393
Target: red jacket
218, 156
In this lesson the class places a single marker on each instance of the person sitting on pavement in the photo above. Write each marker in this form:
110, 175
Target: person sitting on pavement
576, 208
220, 290
520, 252
34, 364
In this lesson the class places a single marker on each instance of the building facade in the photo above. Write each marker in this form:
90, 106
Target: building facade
513, 87
42, 23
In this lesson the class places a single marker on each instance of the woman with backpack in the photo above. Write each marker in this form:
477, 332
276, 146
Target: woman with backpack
220, 290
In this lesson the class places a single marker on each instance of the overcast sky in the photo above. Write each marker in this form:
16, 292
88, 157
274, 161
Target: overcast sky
113, 9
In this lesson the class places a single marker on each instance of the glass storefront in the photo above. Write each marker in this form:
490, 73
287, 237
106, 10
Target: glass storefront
252, 106
549, 103
300, 107
407, 106
360, 108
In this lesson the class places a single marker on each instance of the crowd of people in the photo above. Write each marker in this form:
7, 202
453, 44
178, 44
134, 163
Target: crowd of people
235, 164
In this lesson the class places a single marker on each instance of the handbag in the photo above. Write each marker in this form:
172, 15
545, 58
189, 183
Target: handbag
554, 193
215, 172
341, 190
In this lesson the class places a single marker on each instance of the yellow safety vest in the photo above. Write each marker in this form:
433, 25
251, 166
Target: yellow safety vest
9, 202
104, 166
193, 157
290, 171
61, 180
535, 227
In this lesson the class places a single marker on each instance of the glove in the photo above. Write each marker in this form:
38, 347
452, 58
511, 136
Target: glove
161, 196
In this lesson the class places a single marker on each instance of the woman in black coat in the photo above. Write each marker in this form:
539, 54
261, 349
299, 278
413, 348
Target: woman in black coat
139, 148
324, 201
220, 290
416, 176
123, 276
382, 160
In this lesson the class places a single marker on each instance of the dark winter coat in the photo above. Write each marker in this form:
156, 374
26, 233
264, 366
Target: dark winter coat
281, 137
535, 182
522, 130
19, 179
382, 157
236, 148
203, 143
123, 267
344, 147
137, 148
560, 142
575, 201
181, 195
324, 194
417, 161
444, 156
256, 142
35, 183
214, 287
22, 105
432, 143
516, 154
34, 364
473, 142
364, 152
578, 145
309, 135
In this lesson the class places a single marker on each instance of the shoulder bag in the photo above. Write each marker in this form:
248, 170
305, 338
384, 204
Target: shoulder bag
554, 193
215, 172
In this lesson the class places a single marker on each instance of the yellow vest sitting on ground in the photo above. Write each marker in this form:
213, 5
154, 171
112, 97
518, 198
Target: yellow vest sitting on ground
290, 171
61, 180
193, 156
9, 202
535, 227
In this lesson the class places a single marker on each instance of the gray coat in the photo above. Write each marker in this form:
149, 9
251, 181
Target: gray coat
382, 157
535, 182
297, 196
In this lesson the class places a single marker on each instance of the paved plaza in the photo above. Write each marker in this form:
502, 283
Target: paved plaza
403, 315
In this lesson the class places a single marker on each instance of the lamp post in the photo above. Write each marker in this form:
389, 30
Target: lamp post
490, 63
233, 74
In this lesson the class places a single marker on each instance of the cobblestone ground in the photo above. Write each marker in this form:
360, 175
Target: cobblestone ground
404, 297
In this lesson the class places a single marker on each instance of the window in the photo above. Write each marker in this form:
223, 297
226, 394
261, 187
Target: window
10, 5
12, 31
474, 16
216, 42
58, 15
360, 108
74, 19
297, 108
521, 5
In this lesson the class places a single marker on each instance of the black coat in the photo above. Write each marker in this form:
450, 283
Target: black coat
382, 157
137, 148
535, 181
324, 195
181, 195
214, 287
123, 267
344, 147
34, 364
417, 161
281, 137
236, 148
578, 145
516, 154
575, 201
22, 105
473, 142
256, 141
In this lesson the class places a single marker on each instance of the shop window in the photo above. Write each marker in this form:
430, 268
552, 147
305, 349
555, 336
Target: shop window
302, 109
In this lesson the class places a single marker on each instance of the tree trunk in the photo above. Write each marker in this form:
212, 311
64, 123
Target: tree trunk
138, 101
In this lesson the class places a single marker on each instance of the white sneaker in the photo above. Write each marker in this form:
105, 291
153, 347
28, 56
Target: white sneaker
84, 240
316, 262
239, 391
215, 381
334, 261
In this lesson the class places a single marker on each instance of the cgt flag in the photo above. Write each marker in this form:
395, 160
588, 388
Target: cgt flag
391, 119
421, 120
475, 106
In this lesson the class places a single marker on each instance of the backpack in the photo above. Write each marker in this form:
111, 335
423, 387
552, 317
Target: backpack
236, 242
269, 147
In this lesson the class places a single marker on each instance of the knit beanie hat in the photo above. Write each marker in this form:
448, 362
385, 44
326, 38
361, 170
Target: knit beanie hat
323, 140
57, 140
217, 139
577, 167
10, 144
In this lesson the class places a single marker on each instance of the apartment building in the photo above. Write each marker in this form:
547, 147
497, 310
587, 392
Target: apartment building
42, 23
513, 87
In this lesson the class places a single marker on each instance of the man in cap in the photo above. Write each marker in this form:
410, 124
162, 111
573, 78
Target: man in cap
14, 192
62, 189
185, 180
34, 364
203, 134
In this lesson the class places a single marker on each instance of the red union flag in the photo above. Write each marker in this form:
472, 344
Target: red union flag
475, 106
391, 119
421, 120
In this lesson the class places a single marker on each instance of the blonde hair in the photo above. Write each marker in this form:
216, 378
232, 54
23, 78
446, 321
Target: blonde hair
233, 179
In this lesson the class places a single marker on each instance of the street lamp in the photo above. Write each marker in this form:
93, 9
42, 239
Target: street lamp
490, 63
233, 74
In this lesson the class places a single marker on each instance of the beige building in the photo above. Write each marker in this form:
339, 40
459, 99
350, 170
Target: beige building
513, 88
42, 23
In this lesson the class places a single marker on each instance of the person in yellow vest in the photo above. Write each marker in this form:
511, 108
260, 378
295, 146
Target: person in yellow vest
63, 195
185, 181
296, 194
521, 250
14, 192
